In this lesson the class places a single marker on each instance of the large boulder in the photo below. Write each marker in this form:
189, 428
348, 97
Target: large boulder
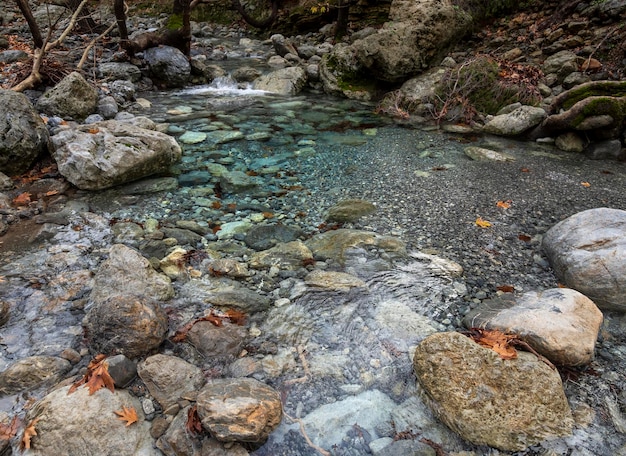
72, 97
109, 153
417, 34
168, 66
32, 372
516, 122
77, 423
560, 323
588, 253
131, 325
509, 404
23, 135
286, 81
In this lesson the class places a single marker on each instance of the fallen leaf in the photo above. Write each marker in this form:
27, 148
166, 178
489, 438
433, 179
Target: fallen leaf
29, 433
97, 376
585, 184
268, 215
524, 237
128, 414
560, 285
94, 130
22, 199
504, 204
8, 431
482, 223
181, 334
495, 340
193, 424
236, 317
51, 193
525, 170
506, 288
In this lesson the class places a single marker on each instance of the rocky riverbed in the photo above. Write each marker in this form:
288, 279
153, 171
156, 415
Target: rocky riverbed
295, 285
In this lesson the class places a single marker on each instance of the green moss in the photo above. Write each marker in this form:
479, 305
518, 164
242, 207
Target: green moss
607, 89
174, 22
614, 107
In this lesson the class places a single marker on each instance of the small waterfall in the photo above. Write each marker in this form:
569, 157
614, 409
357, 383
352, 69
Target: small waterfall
224, 86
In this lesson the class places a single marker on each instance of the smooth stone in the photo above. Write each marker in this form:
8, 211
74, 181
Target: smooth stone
192, 137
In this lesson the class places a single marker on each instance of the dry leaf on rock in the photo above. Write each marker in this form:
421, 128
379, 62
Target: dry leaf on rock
8, 431
29, 433
496, 340
504, 204
128, 414
193, 424
97, 376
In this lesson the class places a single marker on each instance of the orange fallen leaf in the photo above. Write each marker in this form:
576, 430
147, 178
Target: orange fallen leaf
506, 288
495, 340
8, 431
51, 193
29, 433
97, 376
585, 184
482, 223
524, 237
560, 285
193, 424
22, 199
94, 130
504, 204
128, 414
268, 215
525, 170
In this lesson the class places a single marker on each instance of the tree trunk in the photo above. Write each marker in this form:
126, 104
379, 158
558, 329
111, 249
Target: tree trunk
177, 32
32, 24
343, 10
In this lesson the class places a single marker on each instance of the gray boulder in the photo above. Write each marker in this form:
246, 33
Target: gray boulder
110, 153
127, 272
516, 122
285, 81
77, 423
588, 254
23, 135
509, 404
417, 34
168, 66
560, 323
72, 97
113, 71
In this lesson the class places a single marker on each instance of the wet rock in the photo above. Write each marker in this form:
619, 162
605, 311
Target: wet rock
239, 410
168, 377
406, 447
349, 210
561, 324
246, 74
483, 154
516, 122
122, 370
78, 423
131, 325
239, 182
32, 372
287, 256
23, 135
192, 137
168, 66
72, 97
332, 281
329, 424
5, 312
225, 293
109, 153
127, 272
263, 237
183, 236
229, 267
507, 404
285, 81
217, 341
336, 244
150, 185
224, 136
113, 71
212, 447
587, 252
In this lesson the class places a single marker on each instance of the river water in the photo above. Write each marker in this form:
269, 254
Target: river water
340, 359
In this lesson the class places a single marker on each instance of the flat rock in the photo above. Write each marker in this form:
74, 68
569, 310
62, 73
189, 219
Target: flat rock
32, 372
506, 404
483, 154
332, 281
588, 254
561, 324
349, 210
286, 256
515, 122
